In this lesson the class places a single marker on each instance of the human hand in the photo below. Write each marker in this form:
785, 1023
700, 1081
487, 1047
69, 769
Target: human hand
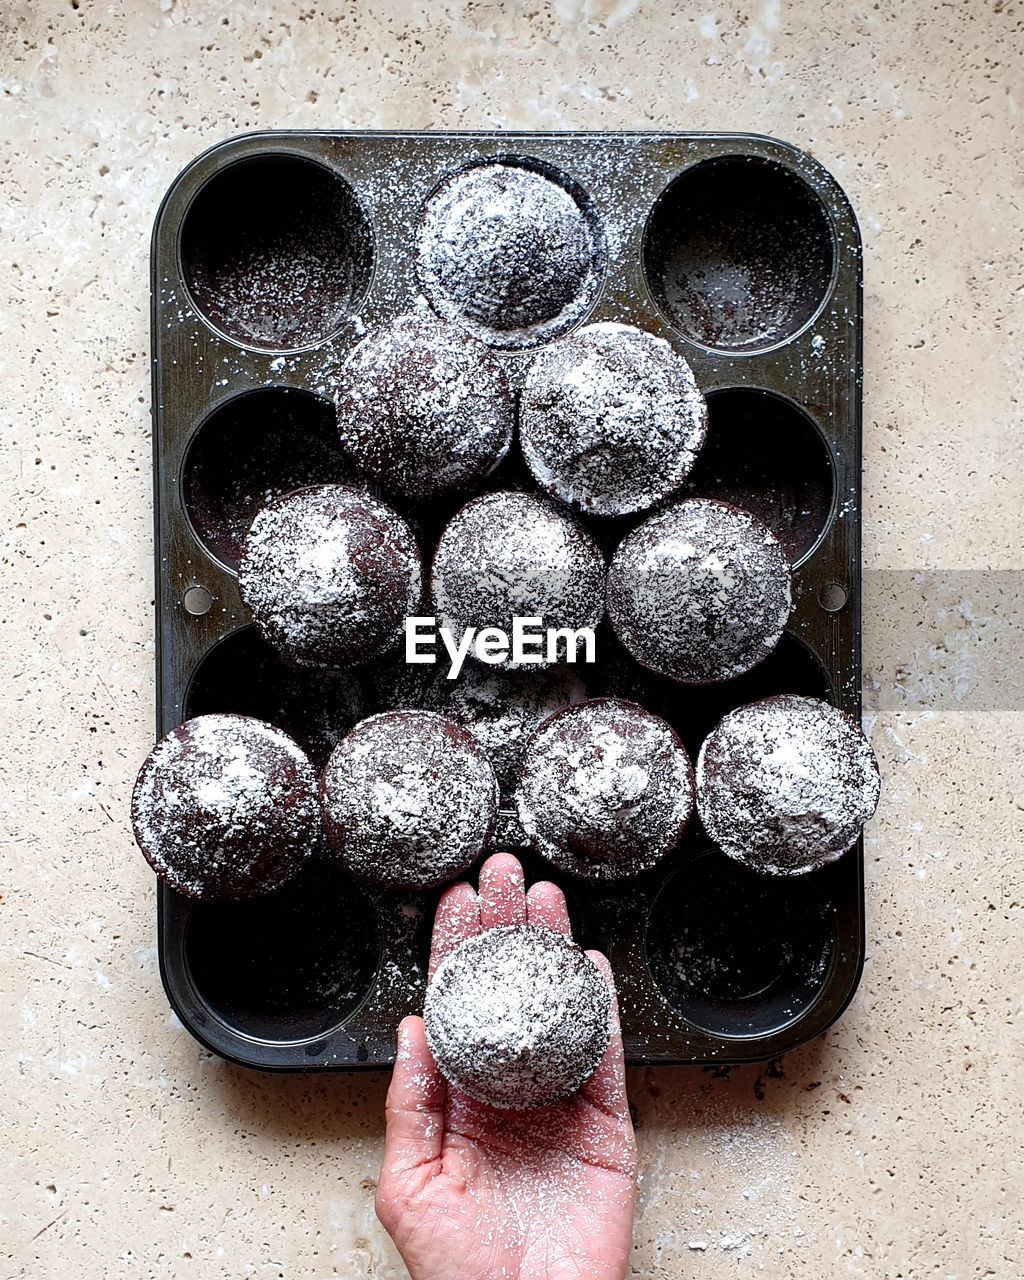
473, 1192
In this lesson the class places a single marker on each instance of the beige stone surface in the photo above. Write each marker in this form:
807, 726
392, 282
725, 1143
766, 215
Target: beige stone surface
891, 1147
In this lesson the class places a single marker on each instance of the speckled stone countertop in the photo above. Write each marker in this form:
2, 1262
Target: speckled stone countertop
890, 1147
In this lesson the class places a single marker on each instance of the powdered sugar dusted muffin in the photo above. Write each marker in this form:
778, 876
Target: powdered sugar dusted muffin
700, 592
517, 1016
501, 709
606, 789
409, 799
611, 420
424, 409
225, 807
784, 785
507, 253
508, 555
330, 574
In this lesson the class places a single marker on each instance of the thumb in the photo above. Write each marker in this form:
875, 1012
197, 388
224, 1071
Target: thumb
415, 1118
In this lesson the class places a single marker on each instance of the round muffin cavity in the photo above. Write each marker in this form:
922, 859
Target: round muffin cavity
700, 592
409, 799
517, 1017
784, 785
330, 574
611, 420
424, 409
513, 555
225, 807
606, 789
501, 709
508, 254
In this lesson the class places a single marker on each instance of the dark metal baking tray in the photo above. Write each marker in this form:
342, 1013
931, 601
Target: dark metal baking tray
743, 252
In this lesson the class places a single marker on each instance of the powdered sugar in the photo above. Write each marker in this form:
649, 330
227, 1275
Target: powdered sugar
606, 789
409, 799
517, 1016
785, 785
611, 419
330, 574
699, 593
509, 254
225, 806
423, 409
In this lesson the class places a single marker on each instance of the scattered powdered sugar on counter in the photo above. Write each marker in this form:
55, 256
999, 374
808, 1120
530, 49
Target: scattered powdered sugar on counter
734, 1197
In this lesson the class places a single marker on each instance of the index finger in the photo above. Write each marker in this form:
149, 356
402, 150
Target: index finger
457, 918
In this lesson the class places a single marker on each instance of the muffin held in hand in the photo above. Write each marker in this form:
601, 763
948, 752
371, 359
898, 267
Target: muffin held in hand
517, 1016
330, 575
784, 785
409, 799
225, 807
605, 790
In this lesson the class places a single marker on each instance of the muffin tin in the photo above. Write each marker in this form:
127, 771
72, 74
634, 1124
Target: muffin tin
743, 253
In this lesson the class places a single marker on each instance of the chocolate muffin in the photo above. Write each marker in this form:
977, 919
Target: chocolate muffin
424, 409
611, 420
508, 555
784, 785
409, 799
517, 1017
508, 254
606, 789
225, 807
700, 592
502, 709
330, 575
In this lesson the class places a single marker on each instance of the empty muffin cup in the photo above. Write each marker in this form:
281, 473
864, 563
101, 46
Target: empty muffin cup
276, 252
739, 253
694, 710
736, 954
250, 450
287, 967
242, 673
764, 453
